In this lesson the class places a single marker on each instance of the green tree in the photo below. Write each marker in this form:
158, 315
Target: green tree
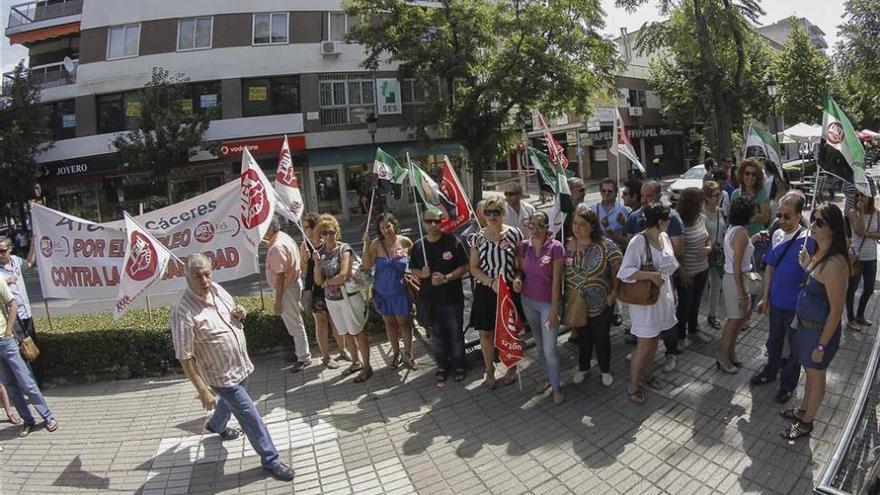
857, 56
715, 60
803, 76
496, 59
168, 131
24, 132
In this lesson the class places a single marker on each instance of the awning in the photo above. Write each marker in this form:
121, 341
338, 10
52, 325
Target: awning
802, 133
349, 155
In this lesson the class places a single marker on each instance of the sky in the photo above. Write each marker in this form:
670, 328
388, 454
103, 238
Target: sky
827, 14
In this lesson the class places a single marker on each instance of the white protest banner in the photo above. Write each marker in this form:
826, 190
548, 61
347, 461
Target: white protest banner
79, 259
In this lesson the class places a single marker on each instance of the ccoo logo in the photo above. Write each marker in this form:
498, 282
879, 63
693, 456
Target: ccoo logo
143, 259
254, 203
204, 232
834, 135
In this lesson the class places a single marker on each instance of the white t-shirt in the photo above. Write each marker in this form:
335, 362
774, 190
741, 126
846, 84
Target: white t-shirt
519, 220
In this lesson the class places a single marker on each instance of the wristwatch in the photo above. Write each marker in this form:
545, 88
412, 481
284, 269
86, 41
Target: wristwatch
820, 348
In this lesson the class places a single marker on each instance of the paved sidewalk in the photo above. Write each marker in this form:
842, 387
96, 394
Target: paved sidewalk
399, 433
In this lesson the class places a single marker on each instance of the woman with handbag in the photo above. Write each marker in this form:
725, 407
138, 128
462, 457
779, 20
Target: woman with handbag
335, 261
865, 233
645, 273
540, 284
390, 255
716, 225
739, 283
591, 265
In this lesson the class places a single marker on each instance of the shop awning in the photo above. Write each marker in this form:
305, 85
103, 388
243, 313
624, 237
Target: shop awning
366, 153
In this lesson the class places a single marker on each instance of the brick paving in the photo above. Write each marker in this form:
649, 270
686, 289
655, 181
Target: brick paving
707, 433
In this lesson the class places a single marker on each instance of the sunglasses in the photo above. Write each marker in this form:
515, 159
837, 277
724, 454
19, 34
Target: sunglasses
4, 251
328, 233
511, 194
537, 226
607, 191
432, 221
626, 193
492, 213
750, 174
819, 221
784, 216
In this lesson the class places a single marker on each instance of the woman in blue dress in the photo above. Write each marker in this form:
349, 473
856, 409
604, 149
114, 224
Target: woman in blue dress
390, 255
819, 310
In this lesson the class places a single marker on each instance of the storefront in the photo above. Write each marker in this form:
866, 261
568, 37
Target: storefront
650, 142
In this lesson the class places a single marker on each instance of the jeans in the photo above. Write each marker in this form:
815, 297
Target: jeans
714, 291
869, 273
597, 332
236, 401
689, 304
537, 314
448, 336
19, 382
780, 326
291, 314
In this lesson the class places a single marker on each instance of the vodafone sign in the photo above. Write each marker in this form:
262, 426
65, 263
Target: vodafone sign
234, 149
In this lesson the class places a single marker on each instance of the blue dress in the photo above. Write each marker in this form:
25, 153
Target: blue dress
390, 296
812, 311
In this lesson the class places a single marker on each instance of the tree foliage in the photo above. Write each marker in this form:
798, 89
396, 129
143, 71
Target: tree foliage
24, 131
803, 76
713, 67
168, 131
857, 56
484, 61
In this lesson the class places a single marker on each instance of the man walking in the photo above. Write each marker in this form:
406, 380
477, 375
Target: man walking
783, 278
282, 274
11, 270
210, 344
441, 293
517, 213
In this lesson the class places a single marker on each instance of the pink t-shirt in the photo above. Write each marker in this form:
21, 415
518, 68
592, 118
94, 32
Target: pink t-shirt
538, 270
282, 257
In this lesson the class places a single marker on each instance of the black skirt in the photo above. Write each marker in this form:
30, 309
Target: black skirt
485, 305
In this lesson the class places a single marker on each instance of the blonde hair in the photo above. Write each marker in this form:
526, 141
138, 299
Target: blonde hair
496, 202
326, 220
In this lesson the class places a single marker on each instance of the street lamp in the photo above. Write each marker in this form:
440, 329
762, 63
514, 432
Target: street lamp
372, 124
771, 87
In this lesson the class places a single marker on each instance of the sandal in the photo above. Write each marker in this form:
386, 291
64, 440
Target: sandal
510, 377
490, 381
637, 396
440, 375
854, 327
25, 430
329, 363
411, 363
792, 414
458, 375
354, 368
226, 435
542, 386
364, 375
798, 429
14, 419
654, 383
51, 425
395, 363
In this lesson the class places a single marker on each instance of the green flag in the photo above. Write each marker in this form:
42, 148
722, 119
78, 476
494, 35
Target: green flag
388, 170
762, 144
430, 192
838, 133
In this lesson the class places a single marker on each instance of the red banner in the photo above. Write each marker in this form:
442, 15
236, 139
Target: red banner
508, 327
260, 146
451, 187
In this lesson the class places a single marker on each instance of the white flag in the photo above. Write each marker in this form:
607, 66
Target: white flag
620, 143
290, 202
257, 201
145, 261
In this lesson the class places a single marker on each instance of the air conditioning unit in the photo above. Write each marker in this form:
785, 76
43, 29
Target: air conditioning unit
635, 111
329, 48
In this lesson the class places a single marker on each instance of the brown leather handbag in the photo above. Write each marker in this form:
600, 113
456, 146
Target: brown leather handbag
641, 292
29, 349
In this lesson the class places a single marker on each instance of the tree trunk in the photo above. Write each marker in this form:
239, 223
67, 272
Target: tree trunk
709, 67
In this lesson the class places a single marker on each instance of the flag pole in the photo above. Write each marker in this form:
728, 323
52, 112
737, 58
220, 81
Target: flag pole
370, 211
412, 183
473, 213
146, 296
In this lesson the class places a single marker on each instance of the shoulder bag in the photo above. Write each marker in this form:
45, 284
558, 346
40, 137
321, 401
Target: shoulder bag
26, 345
716, 255
641, 292
574, 314
413, 283
855, 266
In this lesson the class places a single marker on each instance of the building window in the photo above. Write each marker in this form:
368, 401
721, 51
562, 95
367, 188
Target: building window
346, 99
194, 33
123, 41
337, 26
270, 96
637, 98
63, 119
270, 28
204, 98
119, 111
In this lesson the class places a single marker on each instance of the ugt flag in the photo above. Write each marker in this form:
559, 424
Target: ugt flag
838, 132
287, 191
430, 192
145, 261
558, 182
388, 171
453, 191
621, 144
762, 144
257, 201
508, 327
554, 149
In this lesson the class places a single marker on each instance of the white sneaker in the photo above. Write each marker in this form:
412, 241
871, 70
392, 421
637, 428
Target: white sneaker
671, 363
701, 337
607, 379
628, 357
579, 377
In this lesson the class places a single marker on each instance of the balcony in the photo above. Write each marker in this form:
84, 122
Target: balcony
31, 12
46, 76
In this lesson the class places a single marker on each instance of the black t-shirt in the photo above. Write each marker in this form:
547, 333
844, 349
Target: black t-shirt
444, 256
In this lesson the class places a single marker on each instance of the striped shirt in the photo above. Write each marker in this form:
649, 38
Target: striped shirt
203, 329
496, 256
696, 237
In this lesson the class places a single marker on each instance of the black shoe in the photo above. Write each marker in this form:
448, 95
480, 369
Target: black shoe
761, 379
713, 322
281, 472
226, 435
617, 320
783, 396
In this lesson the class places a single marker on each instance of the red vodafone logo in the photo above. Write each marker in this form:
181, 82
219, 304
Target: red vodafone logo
46, 246
254, 203
834, 135
143, 260
204, 232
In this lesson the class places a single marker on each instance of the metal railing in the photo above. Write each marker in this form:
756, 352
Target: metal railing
30, 12
46, 76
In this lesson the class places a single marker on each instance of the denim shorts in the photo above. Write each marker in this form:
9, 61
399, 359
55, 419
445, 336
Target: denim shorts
805, 341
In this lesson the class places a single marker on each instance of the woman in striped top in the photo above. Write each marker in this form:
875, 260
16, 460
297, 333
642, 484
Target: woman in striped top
694, 269
493, 255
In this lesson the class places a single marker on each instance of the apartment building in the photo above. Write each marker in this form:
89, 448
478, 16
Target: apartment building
264, 68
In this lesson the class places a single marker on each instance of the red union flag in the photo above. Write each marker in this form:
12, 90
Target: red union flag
554, 149
620, 143
257, 201
145, 262
452, 189
508, 326
286, 186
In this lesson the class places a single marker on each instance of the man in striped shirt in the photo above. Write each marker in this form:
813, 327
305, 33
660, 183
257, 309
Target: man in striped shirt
211, 347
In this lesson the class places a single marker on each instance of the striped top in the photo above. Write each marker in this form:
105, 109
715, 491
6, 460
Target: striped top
867, 248
696, 237
203, 329
496, 256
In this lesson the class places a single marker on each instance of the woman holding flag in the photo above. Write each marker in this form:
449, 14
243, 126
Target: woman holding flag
493, 256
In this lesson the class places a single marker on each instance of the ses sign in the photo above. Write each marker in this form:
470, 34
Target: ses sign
388, 97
